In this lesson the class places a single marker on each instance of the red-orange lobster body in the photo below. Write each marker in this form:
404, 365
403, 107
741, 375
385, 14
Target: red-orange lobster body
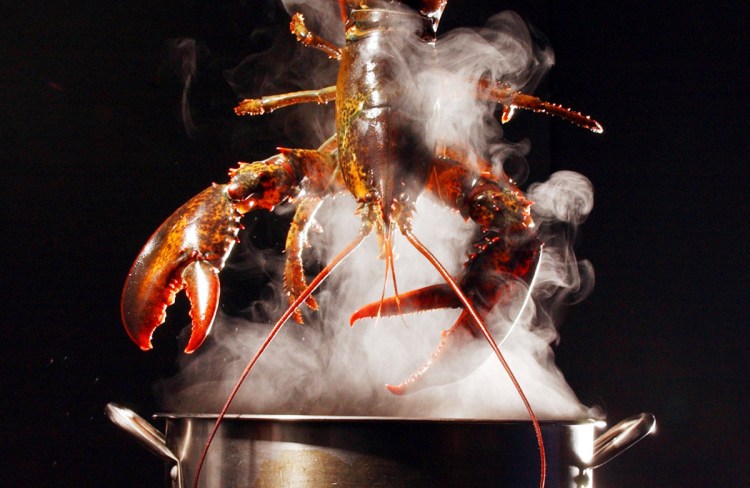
381, 157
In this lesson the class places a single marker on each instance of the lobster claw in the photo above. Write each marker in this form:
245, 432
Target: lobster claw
488, 277
186, 252
457, 354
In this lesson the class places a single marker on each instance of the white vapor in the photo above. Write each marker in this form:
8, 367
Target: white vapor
327, 367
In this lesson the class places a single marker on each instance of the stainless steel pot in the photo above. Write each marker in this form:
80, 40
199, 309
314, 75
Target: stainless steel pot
310, 452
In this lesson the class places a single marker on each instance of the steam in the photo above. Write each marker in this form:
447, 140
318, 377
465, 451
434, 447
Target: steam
327, 368
182, 59
501, 51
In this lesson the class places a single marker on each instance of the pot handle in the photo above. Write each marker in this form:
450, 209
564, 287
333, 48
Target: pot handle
621, 437
147, 435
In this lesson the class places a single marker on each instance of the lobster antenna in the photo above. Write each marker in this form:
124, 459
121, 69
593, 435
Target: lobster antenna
387, 253
343, 254
487, 335
390, 264
391, 261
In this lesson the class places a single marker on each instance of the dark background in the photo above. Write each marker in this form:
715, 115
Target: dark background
94, 156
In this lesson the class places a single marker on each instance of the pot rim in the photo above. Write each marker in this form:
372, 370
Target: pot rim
299, 418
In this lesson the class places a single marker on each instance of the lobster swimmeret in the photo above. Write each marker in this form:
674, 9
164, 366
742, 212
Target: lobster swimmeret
379, 156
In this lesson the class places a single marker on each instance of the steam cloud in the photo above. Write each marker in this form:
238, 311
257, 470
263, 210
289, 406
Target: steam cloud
327, 368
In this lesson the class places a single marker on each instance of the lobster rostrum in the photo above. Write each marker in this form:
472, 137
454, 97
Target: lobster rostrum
380, 156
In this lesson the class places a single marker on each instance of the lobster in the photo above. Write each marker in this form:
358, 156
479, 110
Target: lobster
380, 156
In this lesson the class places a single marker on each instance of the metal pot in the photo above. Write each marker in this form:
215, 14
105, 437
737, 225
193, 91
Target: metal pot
305, 451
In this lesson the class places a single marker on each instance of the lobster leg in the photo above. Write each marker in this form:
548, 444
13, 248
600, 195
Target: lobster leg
267, 104
512, 99
190, 248
296, 242
299, 29
321, 178
259, 106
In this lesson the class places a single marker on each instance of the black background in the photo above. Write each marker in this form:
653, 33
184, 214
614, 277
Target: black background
94, 157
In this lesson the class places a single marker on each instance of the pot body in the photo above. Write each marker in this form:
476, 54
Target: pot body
312, 452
